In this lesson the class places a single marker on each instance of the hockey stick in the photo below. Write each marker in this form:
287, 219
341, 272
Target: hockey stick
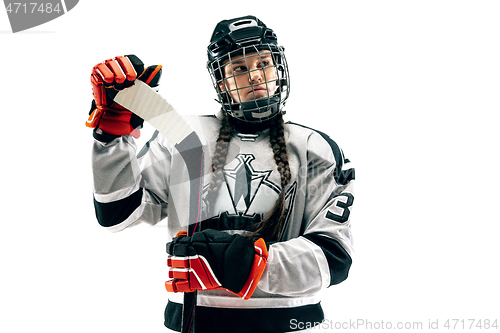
153, 108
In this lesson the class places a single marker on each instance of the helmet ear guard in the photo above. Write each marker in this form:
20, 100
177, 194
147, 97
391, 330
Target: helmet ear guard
245, 37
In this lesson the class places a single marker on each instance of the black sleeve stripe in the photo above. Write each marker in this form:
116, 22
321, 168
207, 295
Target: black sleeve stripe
113, 213
342, 177
339, 261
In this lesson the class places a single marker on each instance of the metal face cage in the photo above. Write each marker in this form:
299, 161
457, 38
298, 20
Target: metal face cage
252, 83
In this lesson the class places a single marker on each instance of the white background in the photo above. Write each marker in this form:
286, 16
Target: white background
408, 89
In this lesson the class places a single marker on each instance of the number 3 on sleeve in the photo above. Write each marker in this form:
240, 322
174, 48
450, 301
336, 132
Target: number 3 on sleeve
344, 207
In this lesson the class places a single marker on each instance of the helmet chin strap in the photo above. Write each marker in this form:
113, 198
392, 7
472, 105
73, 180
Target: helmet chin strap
264, 114
255, 111
247, 127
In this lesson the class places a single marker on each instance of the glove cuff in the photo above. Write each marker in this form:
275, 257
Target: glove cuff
115, 121
104, 137
258, 267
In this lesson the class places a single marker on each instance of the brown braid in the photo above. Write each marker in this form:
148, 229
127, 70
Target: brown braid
278, 144
270, 226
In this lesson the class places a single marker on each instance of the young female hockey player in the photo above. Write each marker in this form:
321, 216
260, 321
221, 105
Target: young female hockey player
277, 196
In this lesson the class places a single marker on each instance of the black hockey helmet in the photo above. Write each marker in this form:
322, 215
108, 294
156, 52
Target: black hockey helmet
241, 38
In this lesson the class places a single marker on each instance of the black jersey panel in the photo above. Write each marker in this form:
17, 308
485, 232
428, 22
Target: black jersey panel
113, 213
262, 320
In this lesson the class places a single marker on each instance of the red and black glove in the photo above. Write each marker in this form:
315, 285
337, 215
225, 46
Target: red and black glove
107, 79
213, 259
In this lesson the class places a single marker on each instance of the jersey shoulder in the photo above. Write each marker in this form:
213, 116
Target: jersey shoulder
323, 149
318, 141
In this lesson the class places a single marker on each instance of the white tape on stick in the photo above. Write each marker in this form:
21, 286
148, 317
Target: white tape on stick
145, 102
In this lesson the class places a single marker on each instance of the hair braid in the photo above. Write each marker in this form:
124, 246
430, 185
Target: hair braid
271, 225
278, 144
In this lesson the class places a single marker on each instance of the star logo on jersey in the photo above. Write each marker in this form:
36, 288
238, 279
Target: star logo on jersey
247, 194
244, 182
253, 190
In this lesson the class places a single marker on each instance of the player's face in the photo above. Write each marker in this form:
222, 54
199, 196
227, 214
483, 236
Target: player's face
250, 77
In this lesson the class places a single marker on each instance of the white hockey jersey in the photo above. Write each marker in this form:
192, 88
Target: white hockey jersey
315, 248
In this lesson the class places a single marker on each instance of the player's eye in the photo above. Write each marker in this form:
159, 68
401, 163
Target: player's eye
265, 62
239, 69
